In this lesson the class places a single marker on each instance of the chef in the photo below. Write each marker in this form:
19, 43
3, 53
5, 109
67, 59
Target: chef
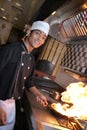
17, 64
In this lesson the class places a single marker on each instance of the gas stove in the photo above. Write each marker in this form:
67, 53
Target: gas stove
71, 123
50, 120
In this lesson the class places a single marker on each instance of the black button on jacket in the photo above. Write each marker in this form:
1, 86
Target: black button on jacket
16, 70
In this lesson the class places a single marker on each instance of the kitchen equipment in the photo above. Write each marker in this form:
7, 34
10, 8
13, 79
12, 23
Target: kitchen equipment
72, 123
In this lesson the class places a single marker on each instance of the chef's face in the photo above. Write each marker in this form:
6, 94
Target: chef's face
37, 38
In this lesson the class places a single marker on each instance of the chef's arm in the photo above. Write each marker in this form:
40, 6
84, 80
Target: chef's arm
41, 99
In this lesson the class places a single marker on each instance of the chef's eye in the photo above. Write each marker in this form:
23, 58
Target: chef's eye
37, 32
41, 34
44, 37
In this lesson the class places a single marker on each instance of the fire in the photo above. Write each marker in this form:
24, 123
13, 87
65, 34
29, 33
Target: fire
76, 94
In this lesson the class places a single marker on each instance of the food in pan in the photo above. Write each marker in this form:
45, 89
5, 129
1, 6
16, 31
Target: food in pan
60, 108
69, 112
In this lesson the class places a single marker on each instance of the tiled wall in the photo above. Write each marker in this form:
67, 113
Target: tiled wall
75, 58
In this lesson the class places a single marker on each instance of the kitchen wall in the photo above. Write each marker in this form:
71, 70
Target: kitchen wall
73, 65
74, 35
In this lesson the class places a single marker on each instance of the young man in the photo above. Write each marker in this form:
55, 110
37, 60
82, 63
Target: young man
16, 71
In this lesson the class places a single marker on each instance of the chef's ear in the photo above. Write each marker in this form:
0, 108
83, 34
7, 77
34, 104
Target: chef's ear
28, 32
27, 28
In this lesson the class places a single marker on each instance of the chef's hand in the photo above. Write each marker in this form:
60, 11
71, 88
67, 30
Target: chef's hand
41, 99
2, 117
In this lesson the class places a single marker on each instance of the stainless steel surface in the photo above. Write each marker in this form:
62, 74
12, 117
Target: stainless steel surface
43, 116
46, 126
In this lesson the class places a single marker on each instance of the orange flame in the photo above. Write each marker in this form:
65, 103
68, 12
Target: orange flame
76, 93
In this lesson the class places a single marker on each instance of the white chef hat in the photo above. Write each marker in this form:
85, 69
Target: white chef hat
41, 25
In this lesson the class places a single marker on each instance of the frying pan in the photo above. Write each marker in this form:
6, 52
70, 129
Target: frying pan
62, 116
52, 108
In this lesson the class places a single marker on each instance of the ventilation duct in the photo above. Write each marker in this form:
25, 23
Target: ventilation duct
46, 9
